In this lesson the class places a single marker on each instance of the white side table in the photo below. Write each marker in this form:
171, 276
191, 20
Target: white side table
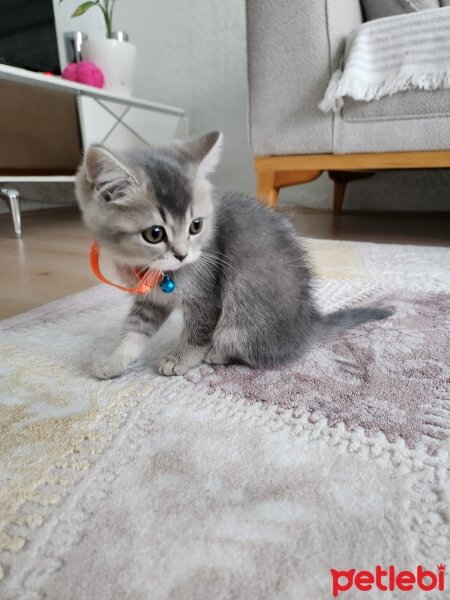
119, 122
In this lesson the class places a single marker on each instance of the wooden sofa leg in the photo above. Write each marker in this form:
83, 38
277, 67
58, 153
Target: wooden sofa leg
265, 186
269, 183
340, 179
338, 196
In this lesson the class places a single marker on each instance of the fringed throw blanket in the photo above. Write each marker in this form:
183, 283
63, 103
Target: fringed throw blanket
391, 55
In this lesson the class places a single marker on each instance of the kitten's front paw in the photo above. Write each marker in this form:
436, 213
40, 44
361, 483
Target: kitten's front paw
172, 365
108, 367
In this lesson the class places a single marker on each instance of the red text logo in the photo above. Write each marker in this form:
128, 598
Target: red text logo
388, 580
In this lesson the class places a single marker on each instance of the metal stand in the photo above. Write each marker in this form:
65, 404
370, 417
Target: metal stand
12, 198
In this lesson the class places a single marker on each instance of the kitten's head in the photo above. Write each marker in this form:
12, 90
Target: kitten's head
151, 207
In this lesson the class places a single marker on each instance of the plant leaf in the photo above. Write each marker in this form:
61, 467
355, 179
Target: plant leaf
83, 8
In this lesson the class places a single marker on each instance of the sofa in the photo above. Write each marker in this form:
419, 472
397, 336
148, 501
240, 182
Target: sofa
293, 48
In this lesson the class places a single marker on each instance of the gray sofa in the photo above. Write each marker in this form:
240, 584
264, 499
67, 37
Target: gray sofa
293, 48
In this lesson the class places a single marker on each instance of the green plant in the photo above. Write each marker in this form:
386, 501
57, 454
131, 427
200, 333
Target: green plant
107, 8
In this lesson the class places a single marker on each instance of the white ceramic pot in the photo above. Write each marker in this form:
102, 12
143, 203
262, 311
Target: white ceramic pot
117, 61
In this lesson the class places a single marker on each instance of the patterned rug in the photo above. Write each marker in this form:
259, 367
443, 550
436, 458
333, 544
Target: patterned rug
230, 482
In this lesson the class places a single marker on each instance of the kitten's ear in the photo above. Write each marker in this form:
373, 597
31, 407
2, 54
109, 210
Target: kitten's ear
206, 151
107, 175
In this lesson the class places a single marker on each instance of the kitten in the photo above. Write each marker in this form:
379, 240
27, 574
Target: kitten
242, 278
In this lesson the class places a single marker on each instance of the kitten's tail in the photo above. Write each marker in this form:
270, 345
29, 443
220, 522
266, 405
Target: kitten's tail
333, 324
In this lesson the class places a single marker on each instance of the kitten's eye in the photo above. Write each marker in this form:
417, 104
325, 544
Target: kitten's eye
196, 226
154, 234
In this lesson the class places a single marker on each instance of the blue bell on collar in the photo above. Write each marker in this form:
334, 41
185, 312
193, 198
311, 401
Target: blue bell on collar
167, 285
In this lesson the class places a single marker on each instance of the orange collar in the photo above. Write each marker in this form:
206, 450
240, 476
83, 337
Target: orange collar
146, 280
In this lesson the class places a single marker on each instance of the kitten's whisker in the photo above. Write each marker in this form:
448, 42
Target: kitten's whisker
207, 260
219, 258
218, 261
203, 266
215, 257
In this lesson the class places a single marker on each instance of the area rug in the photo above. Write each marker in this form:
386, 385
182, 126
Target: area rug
230, 482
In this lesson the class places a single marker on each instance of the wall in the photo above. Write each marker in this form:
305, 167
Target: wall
90, 23
192, 54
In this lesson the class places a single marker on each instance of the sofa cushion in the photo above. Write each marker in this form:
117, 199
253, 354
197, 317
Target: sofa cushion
408, 121
376, 9
414, 104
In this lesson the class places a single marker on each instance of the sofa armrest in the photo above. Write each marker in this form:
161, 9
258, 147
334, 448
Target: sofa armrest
293, 46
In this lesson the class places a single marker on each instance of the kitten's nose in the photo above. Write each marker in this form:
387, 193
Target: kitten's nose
180, 257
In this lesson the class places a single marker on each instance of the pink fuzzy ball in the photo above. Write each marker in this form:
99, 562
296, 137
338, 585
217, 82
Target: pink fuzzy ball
84, 72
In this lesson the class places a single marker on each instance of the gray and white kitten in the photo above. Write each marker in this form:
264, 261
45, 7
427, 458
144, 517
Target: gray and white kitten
242, 279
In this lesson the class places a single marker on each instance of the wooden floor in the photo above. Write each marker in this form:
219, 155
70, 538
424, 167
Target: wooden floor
51, 261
